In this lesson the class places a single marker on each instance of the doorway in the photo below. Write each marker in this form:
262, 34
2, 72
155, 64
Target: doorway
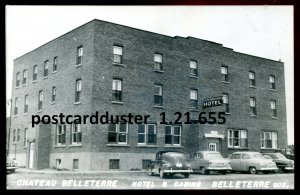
31, 155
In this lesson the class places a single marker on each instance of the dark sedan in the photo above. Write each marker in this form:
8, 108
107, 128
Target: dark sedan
281, 161
170, 163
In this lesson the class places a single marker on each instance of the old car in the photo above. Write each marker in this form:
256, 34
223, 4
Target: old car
11, 165
288, 153
206, 161
170, 163
251, 162
283, 164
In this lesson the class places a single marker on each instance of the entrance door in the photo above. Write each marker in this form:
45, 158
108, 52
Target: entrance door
212, 147
31, 155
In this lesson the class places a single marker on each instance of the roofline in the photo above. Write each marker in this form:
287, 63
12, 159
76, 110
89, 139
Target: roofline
259, 57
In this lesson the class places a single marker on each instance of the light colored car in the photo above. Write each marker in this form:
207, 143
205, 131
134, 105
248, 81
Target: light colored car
206, 161
251, 162
281, 161
11, 165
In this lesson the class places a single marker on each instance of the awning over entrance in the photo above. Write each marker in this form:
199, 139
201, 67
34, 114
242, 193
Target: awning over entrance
214, 134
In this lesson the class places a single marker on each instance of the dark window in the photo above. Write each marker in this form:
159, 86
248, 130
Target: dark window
55, 64
53, 94
117, 90
78, 90
18, 80
272, 82
16, 106
75, 163
226, 102
24, 77
40, 103
274, 108
252, 78
46, 67
146, 163
14, 135
114, 163
147, 134
269, 139
79, 55
118, 53
158, 65
26, 104
193, 99
76, 134
18, 135
237, 138
224, 72
117, 133
35, 72
60, 134
173, 135
193, 68
253, 110
25, 137
158, 98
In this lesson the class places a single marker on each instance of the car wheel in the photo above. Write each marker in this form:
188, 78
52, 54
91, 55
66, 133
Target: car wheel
186, 175
161, 174
204, 171
252, 170
150, 171
171, 174
224, 172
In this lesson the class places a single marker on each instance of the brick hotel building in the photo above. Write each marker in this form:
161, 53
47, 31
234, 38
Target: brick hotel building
101, 66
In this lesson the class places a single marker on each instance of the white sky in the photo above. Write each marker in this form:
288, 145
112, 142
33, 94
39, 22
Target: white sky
265, 31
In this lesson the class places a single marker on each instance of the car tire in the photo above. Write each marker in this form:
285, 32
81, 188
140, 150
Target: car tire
204, 171
252, 170
224, 172
171, 174
186, 175
150, 173
161, 174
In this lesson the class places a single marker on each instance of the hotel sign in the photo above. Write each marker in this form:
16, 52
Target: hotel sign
211, 102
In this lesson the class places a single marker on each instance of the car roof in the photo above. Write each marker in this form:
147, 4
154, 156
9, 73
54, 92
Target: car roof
166, 151
246, 152
207, 151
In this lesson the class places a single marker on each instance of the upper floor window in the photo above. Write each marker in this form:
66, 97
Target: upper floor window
79, 55
35, 72
193, 68
14, 135
273, 108
18, 135
253, 106
40, 103
237, 138
117, 133
16, 106
252, 78
46, 68
76, 134
117, 90
55, 64
147, 134
24, 77
158, 65
18, 80
26, 104
224, 72
77, 91
118, 53
158, 98
193, 99
53, 94
268, 139
226, 102
173, 135
60, 134
272, 82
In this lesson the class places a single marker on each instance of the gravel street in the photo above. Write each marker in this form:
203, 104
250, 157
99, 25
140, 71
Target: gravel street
52, 179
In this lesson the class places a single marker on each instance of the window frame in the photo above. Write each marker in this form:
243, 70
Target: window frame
224, 96
79, 54
35, 73
62, 134
53, 94
231, 138
224, 75
193, 101
55, 64
264, 140
158, 63
117, 90
18, 79
77, 134
159, 96
16, 107
172, 135
26, 99
46, 68
25, 74
253, 108
25, 144
78, 89
116, 55
252, 80
193, 71
274, 110
117, 133
146, 134
273, 83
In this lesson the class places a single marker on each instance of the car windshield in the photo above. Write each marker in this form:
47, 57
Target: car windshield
175, 155
279, 156
259, 156
214, 156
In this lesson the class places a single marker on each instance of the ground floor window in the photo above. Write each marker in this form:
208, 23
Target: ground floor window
75, 163
173, 135
147, 134
237, 138
268, 139
76, 134
117, 133
114, 163
146, 163
60, 134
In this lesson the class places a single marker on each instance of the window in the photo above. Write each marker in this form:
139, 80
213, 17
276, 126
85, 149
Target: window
114, 163
253, 106
18, 80
18, 135
14, 135
237, 138
173, 135
53, 94
158, 62
55, 64
35, 72
117, 90
147, 134
158, 98
26, 103
273, 108
226, 102
193, 68
78, 90
16, 106
268, 139
24, 77
224, 72
25, 137
146, 163
46, 67
117, 133
79, 55
40, 103
272, 82
60, 134
118, 52
212, 147
75, 164
193, 99
76, 134
252, 78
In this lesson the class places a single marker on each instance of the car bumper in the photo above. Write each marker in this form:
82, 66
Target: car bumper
177, 171
219, 168
289, 168
268, 168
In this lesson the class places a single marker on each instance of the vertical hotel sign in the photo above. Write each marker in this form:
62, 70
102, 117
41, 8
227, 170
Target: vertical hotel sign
211, 102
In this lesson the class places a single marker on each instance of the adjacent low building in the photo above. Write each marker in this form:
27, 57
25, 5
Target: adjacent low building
106, 67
